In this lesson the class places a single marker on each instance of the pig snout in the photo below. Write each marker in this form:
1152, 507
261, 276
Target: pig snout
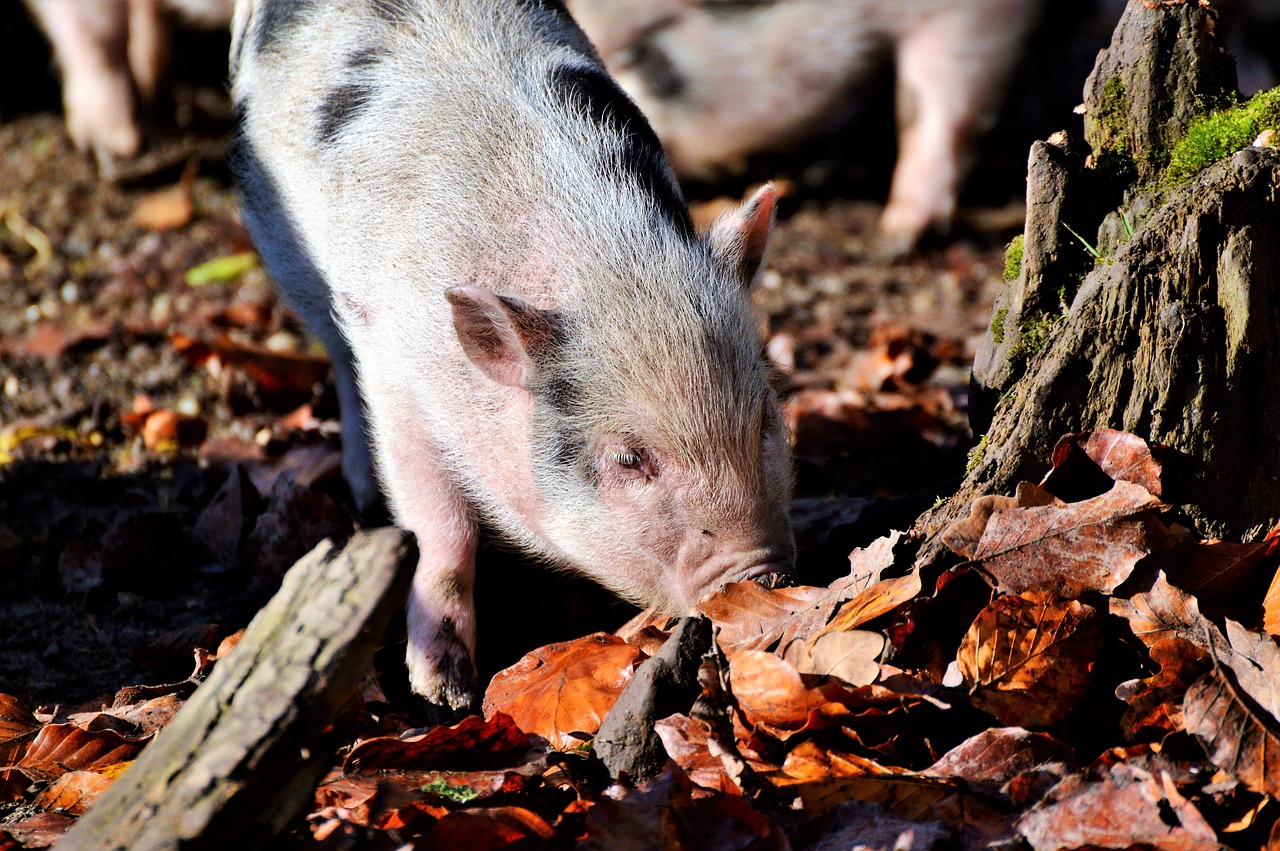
708, 561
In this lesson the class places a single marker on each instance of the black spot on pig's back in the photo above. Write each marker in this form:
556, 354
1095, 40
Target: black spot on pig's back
277, 17
641, 155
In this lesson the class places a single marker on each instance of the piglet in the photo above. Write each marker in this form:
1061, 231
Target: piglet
723, 80
525, 328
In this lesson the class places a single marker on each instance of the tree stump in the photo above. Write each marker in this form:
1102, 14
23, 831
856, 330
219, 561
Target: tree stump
1167, 324
240, 760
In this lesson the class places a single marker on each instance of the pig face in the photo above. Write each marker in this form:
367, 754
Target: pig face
663, 469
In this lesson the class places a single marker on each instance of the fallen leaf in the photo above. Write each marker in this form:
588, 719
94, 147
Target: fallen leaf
1126, 807
686, 741
42, 830
484, 829
1271, 607
18, 728
880, 599
1027, 659
861, 826
1164, 612
1085, 464
221, 269
1155, 703
771, 694
163, 210
59, 748
850, 656
665, 814
1066, 548
1240, 737
296, 518
73, 792
225, 523
998, 755
562, 691
471, 738
752, 617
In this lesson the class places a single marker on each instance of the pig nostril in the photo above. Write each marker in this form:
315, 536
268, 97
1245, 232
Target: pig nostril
707, 532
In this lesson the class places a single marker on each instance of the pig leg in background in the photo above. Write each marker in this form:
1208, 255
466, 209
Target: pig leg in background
952, 71
148, 47
90, 40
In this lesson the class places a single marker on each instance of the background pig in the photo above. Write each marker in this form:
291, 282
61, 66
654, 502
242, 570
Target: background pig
721, 81
112, 54
485, 232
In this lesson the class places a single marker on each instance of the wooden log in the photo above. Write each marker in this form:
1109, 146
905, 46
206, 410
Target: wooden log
239, 761
1173, 330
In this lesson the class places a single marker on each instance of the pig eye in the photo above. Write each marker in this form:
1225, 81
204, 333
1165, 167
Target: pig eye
625, 458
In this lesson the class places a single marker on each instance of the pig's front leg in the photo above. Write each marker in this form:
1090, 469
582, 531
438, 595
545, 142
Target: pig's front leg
442, 621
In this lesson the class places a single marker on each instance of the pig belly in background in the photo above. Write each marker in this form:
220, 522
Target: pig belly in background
112, 55
525, 328
721, 82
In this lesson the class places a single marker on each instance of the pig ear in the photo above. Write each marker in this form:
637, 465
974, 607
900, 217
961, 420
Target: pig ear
739, 237
501, 335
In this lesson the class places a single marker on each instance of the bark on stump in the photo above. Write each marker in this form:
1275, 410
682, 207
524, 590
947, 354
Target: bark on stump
1173, 333
239, 761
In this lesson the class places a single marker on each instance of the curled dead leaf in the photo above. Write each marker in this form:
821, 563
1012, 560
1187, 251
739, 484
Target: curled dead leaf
1027, 659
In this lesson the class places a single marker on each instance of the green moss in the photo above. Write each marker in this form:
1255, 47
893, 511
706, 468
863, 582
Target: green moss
1033, 335
1111, 115
1218, 135
1013, 260
997, 325
976, 454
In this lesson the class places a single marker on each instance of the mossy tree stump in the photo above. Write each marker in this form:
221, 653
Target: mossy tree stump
1167, 323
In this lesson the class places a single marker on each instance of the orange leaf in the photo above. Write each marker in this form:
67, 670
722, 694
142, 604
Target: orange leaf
60, 748
1238, 737
881, 598
1027, 659
470, 738
1127, 807
73, 792
564, 689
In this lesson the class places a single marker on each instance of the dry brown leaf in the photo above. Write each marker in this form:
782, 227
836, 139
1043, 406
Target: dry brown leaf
1163, 612
751, 617
73, 792
823, 780
1271, 607
18, 728
164, 209
1026, 659
59, 748
1223, 711
669, 812
1066, 548
881, 598
564, 689
963, 535
686, 741
998, 755
1221, 573
1115, 455
772, 696
850, 656
1127, 807
1155, 703
488, 827
471, 737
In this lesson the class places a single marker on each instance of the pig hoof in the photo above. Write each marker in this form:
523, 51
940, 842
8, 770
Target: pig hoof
445, 686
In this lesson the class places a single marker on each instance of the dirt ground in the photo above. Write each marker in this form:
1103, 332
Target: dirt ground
105, 578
